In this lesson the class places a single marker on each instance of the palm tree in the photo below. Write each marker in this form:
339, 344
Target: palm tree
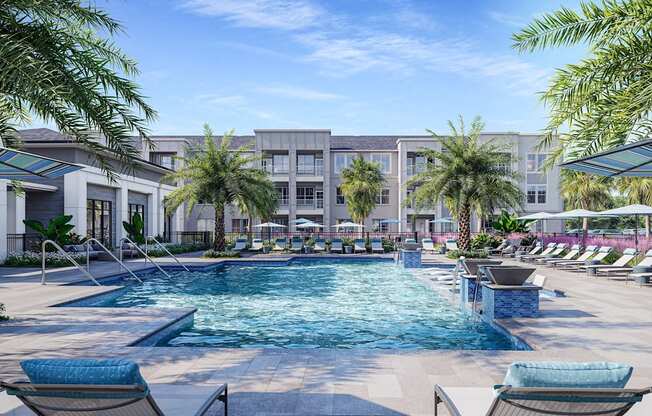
362, 182
638, 191
55, 64
218, 175
262, 203
467, 176
605, 99
583, 191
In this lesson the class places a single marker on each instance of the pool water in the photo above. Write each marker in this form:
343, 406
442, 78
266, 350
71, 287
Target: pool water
313, 304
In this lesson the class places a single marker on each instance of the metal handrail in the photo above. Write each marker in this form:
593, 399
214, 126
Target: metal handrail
67, 256
141, 252
166, 250
88, 256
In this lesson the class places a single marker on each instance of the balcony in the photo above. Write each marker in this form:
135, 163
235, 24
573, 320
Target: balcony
415, 169
310, 204
283, 202
316, 170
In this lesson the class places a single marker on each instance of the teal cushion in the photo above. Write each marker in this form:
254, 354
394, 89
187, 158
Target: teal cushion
565, 374
82, 371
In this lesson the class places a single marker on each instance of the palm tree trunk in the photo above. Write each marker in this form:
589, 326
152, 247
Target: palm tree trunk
219, 241
647, 226
464, 233
250, 228
585, 228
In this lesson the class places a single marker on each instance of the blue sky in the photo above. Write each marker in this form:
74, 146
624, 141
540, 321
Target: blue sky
354, 66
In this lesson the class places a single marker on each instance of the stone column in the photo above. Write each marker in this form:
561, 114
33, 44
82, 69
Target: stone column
292, 187
152, 215
3, 214
74, 199
121, 212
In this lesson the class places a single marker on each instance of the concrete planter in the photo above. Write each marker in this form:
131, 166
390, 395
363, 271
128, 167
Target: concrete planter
509, 275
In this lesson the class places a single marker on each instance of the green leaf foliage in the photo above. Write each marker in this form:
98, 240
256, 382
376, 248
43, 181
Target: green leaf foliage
135, 229
361, 184
507, 223
57, 230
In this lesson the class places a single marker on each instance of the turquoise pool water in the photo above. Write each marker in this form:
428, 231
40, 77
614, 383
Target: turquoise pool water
313, 304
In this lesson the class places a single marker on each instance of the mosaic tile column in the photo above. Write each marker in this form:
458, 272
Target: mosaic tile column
499, 302
469, 286
411, 259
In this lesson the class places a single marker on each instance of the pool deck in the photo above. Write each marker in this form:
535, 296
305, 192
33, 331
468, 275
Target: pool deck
600, 319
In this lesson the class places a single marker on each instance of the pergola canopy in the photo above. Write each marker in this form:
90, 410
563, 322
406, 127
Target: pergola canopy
634, 159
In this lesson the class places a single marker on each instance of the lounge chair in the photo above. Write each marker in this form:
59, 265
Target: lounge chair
549, 249
410, 241
296, 246
451, 245
645, 262
320, 245
580, 391
256, 245
280, 244
377, 245
619, 265
502, 246
336, 246
556, 253
240, 244
427, 244
602, 253
574, 251
588, 252
537, 248
103, 388
359, 246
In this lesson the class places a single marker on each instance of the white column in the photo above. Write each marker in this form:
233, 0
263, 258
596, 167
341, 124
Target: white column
121, 211
152, 215
177, 220
3, 214
74, 199
20, 213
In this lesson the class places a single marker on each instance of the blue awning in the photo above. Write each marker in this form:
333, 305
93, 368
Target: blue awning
634, 159
18, 165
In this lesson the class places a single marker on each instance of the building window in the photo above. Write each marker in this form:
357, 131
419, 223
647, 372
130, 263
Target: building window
343, 161
163, 159
283, 195
305, 164
379, 226
305, 196
505, 164
239, 225
205, 225
99, 220
535, 162
384, 160
383, 197
536, 194
136, 209
339, 197
267, 165
416, 165
281, 164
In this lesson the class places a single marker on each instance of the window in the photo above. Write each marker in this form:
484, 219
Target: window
99, 220
505, 165
305, 196
536, 194
415, 165
283, 195
205, 224
319, 166
136, 209
163, 159
383, 197
535, 162
267, 164
379, 226
343, 161
319, 198
239, 225
339, 197
281, 164
305, 164
385, 161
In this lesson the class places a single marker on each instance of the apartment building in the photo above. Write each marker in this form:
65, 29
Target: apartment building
305, 166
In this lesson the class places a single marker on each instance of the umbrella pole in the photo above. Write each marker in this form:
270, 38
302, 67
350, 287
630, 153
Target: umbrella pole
636, 231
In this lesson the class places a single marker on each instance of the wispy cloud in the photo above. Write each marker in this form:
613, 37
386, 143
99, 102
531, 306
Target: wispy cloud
221, 100
288, 91
508, 19
278, 14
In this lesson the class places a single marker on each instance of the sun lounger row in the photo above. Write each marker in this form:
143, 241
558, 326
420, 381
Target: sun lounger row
296, 245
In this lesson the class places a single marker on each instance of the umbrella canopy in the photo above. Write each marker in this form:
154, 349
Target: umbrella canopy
445, 220
576, 213
390, 221
634, 159
348, 224
301, 220
636, 209
17, 165
309, 224
269, 225
538, 216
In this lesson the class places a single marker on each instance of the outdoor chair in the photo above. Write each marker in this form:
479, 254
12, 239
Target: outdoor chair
549, 249
377, 245
574, 251
256, 245
103, 388
410, 241
619, 265
502, 246
451, 245
602, 253
537, 248
129, 250
559, 249
320, 245
336, 246
240, 244
644, 263
552, 389
296, 245
427, 244
588, 252
280, 244
359, 245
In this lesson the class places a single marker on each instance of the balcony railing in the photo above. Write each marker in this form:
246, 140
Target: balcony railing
415, 169
18, 243
283, 202
310, 170
310, 203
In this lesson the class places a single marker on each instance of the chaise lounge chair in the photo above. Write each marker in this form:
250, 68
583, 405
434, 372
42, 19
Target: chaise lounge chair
644, 263
359, 246
102, 388
427, 244
549, 249
296, 245
555, 254
280, 244
451, 245
537, 248
240, 244
256, 245
336, 246
567, 389
574, 251
377, 245
602, 253
320, 245
618, 265
588, 252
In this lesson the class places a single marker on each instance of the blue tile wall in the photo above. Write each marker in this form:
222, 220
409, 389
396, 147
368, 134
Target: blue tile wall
516, 303
411, 259
468, 290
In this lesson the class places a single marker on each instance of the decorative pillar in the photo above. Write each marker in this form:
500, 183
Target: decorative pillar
75, 189
3, 214
152, 215
121, 211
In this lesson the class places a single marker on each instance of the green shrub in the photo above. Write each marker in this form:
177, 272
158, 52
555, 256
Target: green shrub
219, 254
388, 245
483, 240
33, 259
156, 251
470, 254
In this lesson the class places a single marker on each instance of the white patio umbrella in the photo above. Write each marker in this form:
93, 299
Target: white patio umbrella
309, 224
300, 220
269, 226
348, 224
635, 210
577, 213
538, 216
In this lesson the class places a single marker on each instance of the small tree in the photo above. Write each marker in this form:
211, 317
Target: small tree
583, 191
58, 230
361, 185
135, 229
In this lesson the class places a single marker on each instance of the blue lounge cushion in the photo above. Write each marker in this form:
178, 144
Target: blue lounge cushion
83, 371
568, 374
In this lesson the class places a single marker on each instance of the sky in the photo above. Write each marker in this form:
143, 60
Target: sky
353, 66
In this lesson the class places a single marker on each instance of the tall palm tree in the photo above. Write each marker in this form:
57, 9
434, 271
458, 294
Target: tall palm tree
467, 176
57, 61
261, 203
606, 98
362, 182
219, 175
583, 191
638, 191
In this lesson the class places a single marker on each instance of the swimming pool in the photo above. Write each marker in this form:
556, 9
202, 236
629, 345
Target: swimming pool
313, 304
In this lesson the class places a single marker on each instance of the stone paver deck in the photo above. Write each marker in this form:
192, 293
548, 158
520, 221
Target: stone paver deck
599, 319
